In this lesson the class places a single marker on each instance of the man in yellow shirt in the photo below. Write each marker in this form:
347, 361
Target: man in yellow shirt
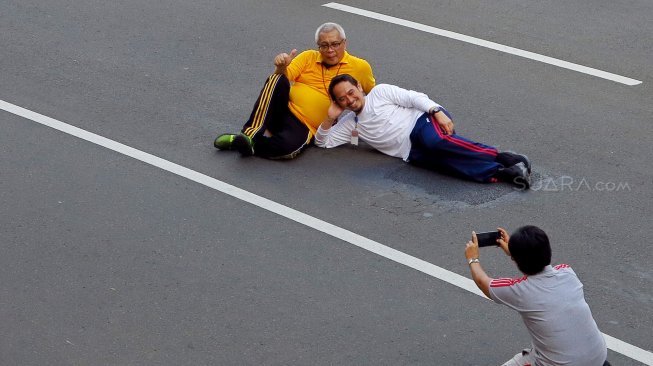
295, 98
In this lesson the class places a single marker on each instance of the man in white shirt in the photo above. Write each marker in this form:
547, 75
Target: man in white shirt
408, 125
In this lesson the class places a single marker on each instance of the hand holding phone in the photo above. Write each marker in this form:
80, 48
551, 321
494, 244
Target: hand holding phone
488, 239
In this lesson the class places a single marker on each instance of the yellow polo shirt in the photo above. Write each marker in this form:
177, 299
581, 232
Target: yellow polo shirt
309, 93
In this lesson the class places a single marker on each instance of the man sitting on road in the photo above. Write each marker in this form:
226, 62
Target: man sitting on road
549, 299
408, 125
285, 117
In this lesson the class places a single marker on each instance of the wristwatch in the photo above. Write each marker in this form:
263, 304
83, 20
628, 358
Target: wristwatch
435, 110
474, 260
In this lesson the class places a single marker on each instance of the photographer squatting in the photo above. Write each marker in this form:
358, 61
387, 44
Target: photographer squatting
549, 299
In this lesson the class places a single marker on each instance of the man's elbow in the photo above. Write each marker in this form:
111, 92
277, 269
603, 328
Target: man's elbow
486, 292
320, 143
483, 284
484, 289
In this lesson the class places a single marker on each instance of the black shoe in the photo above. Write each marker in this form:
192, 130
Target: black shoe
517, 174
509, 158
243, 144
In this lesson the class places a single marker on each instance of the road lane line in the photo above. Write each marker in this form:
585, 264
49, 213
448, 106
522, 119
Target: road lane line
486, 44
430, 269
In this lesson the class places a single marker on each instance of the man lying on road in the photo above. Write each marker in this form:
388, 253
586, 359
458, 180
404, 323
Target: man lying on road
285, 116
408, 125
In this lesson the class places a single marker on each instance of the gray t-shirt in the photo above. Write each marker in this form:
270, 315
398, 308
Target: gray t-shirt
553, 308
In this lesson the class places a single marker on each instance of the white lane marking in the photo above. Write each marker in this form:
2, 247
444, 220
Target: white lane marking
432, 270
486, 44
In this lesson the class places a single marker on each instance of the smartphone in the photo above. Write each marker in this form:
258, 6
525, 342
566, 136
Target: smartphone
488, 239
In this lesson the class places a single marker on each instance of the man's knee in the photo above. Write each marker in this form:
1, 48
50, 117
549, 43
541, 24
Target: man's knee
280, 80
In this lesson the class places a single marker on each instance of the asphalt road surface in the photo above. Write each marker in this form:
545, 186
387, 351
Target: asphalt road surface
110, 260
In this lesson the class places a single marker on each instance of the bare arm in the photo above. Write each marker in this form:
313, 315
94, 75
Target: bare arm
479, 276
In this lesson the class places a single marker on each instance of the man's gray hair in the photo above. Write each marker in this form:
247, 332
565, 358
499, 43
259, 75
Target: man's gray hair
328, 27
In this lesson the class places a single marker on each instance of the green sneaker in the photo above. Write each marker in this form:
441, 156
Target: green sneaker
224, 141
244, 145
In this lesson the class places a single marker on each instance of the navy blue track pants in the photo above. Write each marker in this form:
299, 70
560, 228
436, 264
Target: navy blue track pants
452, 154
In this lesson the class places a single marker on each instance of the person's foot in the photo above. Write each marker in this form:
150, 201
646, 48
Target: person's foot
509, 158
243, 144
523, 180
524, 159
224, 141
517, 174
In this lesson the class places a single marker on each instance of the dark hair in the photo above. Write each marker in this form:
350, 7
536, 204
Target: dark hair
529, 247
340, 79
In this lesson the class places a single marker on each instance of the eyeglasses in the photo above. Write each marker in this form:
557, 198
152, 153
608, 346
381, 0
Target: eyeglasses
334, 45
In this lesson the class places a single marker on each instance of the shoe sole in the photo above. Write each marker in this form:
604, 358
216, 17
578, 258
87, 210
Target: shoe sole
526, 162
524, 179
523, 158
